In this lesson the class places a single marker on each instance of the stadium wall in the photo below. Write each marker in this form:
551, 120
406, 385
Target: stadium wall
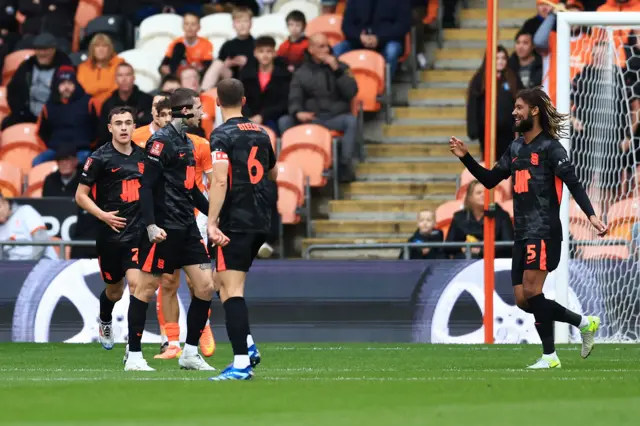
301, 301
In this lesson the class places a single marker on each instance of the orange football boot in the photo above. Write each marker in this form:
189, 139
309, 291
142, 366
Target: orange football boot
207, 342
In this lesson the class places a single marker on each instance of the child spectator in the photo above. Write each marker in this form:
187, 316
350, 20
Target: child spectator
266, 85
426, 233
293, 48
234, 53
189, 50
97, 74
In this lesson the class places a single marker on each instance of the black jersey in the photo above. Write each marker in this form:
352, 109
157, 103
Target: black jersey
250, 196
538, 170
169, 159
115, 181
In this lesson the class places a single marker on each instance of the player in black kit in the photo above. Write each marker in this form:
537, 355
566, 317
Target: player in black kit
109, 190
242, 198
538, 164
167, 198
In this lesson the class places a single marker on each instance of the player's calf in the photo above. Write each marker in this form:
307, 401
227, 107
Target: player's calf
108, 298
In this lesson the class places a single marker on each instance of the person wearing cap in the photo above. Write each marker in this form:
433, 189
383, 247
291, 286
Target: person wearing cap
67, 119
30, 86
64, 181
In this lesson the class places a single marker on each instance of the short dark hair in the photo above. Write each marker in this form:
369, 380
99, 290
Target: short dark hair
182, 97
164, 103
164, 93
230, 92
265, 41
296, 16
521, 33
122, 110
167, 78
195, 15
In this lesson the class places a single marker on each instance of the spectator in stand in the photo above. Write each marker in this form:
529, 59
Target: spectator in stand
467, 225
168, 84
30, 86
525, 61
161, 113
321, 92
190, 79
329, 6
508, 85
97, 74
188, 50
47, 16
23, 223
380, 25
543, 9
293, 48
64, 181
426, 233
67, 119
127, 94
266, 85
234, 53
619, 6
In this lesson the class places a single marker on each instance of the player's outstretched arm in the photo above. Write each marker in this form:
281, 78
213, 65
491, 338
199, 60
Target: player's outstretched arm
110, 218
488, 178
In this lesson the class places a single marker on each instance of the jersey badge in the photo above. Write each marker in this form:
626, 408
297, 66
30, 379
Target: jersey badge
534, 158
157, 148
87, 164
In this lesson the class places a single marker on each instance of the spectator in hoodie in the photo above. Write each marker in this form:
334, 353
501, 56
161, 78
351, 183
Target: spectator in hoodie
525, 61
426, 233
293, 48
380, 25
188, 50
97, 74
508, 85
30, 86
266, 85
64, 181
127, 94
68, 118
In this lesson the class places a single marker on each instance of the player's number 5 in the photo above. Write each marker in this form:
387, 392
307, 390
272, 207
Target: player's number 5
254, 164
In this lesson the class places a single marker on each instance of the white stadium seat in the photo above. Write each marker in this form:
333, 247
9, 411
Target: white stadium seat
145, 64
310, 9
217, 26
273, 25
162, 25
155, 46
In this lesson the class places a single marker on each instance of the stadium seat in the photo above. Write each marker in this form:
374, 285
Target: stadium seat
116, 27
273, 25
4, 105
11, 63
329, 25
617, 252
87, 11
273, 137
368, 68
23, 134
502, 190
621, 217
310, 9
36, 176
78, 57
20, 155
291, 192
145, 65
164, 26
309, 147
10, 179
444, 214
217, 28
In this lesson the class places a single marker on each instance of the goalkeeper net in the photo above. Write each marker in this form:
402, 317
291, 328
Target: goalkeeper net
602, 91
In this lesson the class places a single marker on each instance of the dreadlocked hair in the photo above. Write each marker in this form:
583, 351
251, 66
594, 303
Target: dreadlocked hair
551, 121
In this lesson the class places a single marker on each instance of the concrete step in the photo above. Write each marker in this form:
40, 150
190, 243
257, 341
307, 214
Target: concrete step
430, 115
417, 130
413, 152
507, 18
458, 59
353, 253
436, 191
363, 228
478, 34
379, 209
442, 79
442, 97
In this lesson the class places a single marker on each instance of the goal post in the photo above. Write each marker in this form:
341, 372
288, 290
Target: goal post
599, 101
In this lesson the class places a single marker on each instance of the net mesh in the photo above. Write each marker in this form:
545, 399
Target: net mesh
605, 148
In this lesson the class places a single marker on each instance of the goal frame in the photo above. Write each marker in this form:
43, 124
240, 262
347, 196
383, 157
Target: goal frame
563, 104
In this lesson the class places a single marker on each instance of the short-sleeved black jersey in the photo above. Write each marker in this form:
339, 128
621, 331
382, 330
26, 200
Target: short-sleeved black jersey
170, 154
250, 196
115, 181
538, 170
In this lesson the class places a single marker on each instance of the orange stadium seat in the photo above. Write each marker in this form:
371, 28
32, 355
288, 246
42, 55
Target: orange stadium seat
309, 147
36, 176
24, 134
444, 214
620, 252
621, 217
368, 69
290, 192
329, 25
10, 179
4, 105
272, 136
20, 155
340, 7
87, 11
11, 63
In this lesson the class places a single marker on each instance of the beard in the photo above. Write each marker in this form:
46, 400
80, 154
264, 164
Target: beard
525, 125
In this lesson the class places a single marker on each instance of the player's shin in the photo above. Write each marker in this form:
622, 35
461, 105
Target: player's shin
196, 320
137, 316
562, 314
237, 322
543, 314
106, 306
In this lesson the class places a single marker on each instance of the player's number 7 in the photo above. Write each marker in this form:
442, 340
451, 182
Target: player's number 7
254, 163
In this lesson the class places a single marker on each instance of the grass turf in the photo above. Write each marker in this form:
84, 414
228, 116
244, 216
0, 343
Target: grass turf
324, 384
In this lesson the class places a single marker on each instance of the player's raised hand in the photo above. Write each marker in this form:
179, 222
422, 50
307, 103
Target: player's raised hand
600, 226
156, 234
457, 147
114, 221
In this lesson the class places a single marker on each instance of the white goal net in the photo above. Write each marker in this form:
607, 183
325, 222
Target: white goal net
598, 82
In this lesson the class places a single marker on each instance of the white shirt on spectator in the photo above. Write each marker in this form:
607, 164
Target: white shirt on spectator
23, 223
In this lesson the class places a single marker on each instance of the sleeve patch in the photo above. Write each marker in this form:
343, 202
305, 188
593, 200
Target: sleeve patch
220, 156
157, 148
87, 164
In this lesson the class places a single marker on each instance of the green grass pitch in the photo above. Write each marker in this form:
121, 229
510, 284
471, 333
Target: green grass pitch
324, 384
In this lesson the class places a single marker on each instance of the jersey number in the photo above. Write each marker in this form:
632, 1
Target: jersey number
522, 181
130, 191
191, 177
254, 163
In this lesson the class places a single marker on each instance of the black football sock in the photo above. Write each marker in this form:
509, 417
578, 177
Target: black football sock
106, 307
562, 314
543, 314
136, 317
196, 319
237, 322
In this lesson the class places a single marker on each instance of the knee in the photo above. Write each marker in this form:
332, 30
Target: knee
114, 291
521, 301
392, 51
204, 291
342, 47
169, 284
285, 123
528, 291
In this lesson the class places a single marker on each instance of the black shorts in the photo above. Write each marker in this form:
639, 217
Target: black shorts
183, 247
115, 258
541, 255
238, 255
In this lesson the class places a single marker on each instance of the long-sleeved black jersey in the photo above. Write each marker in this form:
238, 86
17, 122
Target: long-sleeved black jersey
538, 170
